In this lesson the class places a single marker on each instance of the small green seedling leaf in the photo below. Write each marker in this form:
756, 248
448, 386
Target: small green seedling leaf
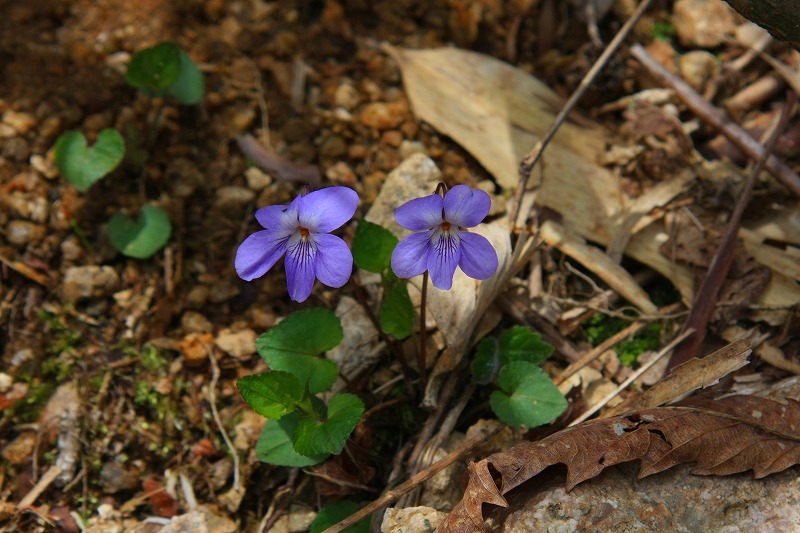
334, 513
514, 344
81, 165
188, 88
272, 394
486, 364
373, 246
397, 312
155, 69
140, 238
294, 344
275, 446
312, 437
528, 397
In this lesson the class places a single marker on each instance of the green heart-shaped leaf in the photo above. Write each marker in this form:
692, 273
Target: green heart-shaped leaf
188, 88
312, 437
143, 237
528, 398
373, 246
275, 446
81, 165
295, 343
272, 394
154, 69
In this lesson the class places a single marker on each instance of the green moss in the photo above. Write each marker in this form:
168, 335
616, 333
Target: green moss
600, 327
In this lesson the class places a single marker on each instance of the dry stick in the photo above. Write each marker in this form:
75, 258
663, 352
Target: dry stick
705, 298
52, 473
212, 399
391, 496
719, 120
530, 160
609, 343
624, 385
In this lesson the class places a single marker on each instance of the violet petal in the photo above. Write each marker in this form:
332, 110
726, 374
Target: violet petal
420, 213
478, 256
325, 210
466, 207
334, 262
444, 257
300, 260
258, 253
410, 256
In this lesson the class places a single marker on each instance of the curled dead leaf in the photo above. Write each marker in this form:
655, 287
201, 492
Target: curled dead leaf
724, 436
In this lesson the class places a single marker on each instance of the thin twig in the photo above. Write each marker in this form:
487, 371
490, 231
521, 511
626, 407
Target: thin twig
606, 345
530, 160
707, 294
423, 341
719, 120
52, 473
391, 496
212, 399
625, 384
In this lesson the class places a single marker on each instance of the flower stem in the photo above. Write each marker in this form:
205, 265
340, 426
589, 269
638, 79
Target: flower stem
421, 355
390, 342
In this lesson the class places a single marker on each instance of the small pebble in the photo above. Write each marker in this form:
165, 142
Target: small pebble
346, 96
43, 166
21, 232
89, 281
233, 197
257, 179
409, 148
194, 322
237, 344
384, 116
50, 127
20, 121
5, 382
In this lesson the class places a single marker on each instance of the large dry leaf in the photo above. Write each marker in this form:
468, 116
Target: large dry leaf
720, 437
498, 113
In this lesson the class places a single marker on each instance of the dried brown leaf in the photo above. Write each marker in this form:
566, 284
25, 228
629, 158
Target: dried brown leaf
720, 437
690, 376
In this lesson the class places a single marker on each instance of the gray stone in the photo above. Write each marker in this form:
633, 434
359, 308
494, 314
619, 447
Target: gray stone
90, 281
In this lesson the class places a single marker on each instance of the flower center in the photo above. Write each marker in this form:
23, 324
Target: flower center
304, 232
445, 226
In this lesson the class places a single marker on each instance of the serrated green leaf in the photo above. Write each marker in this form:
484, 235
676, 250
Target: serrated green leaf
334, 513
275, 446
81, 165
397, 312
486, 364
372, 247
521, 344
313, 437
143, 237
154, 69
188, 88
294, 344
272, 394
528, 397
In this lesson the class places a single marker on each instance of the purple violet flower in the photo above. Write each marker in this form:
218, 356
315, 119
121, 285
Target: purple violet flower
443, 241
300, 230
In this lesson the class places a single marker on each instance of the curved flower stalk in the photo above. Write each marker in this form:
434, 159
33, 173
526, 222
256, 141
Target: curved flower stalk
300, 230
442, 241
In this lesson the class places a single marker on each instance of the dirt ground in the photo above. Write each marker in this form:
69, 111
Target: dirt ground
113, 364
